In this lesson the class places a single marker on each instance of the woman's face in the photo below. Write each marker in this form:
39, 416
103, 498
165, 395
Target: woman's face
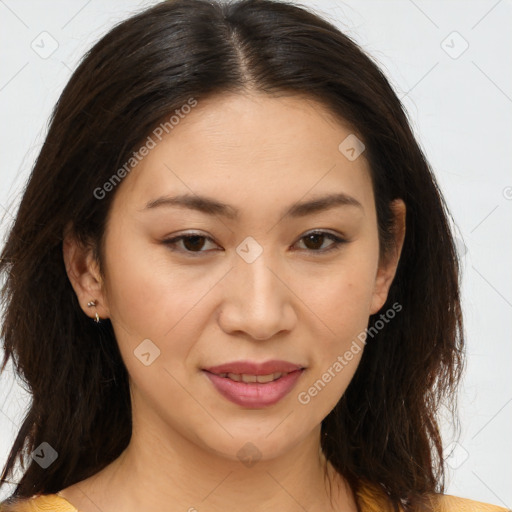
255, 176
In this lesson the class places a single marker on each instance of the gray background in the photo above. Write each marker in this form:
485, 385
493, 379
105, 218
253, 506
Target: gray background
449, 63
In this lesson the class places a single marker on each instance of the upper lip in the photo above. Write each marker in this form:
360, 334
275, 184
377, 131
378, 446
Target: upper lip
255, 368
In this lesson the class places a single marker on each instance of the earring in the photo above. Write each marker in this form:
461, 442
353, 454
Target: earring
91, 304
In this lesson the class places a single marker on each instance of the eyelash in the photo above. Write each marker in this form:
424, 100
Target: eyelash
336, 239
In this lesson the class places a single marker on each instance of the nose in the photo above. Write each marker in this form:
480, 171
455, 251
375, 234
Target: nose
257, 301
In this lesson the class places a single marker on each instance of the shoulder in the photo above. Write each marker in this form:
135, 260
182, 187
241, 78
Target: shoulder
372, 498
40, 503
448, 503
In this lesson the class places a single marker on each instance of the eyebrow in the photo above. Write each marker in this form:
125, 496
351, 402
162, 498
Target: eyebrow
213, 207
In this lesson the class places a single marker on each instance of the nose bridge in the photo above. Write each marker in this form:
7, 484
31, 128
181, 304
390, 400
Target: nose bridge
257, 301
253, 261
258, 281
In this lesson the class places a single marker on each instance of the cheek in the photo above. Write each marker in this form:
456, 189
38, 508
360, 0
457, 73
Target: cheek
341, 297
152, 298
143, 300
339, 345
341, 306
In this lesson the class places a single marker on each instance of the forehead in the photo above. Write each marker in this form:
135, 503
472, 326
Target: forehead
241, 146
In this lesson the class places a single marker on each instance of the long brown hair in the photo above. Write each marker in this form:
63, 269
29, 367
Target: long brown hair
384, 430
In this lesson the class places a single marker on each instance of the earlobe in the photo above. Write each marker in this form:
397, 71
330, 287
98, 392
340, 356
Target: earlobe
85, 277
388, 265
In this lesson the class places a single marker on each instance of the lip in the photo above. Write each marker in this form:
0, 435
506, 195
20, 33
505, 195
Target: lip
254, 368
254, 395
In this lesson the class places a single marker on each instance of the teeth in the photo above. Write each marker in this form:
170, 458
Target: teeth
267, 378
253, 378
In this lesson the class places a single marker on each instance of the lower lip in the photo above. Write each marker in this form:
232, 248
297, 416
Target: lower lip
255, 394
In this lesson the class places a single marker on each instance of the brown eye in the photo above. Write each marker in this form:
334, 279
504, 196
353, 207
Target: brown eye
191, 244
314, 241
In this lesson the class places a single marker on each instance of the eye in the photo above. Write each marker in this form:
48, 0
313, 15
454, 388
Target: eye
315, 239
192, 243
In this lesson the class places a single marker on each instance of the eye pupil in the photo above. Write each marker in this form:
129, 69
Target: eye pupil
314, 237
190, 242
194, 243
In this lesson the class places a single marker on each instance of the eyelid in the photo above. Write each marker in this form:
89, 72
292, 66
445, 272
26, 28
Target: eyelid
189, 234
337, 240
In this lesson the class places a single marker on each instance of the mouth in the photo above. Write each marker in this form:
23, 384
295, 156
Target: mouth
253, 368
247, 378
254, 385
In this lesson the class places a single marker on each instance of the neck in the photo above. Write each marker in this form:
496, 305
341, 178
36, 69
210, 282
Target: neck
163, 470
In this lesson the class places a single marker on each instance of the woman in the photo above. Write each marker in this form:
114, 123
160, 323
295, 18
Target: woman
231, 283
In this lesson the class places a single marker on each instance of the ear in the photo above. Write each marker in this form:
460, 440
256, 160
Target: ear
389, 263
85, 277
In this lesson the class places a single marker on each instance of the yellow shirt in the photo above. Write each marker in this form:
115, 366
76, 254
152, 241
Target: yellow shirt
371, 500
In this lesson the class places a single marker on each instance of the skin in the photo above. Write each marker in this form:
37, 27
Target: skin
260, 154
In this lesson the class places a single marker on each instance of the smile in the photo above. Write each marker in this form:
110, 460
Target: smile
254, 391
253, 378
